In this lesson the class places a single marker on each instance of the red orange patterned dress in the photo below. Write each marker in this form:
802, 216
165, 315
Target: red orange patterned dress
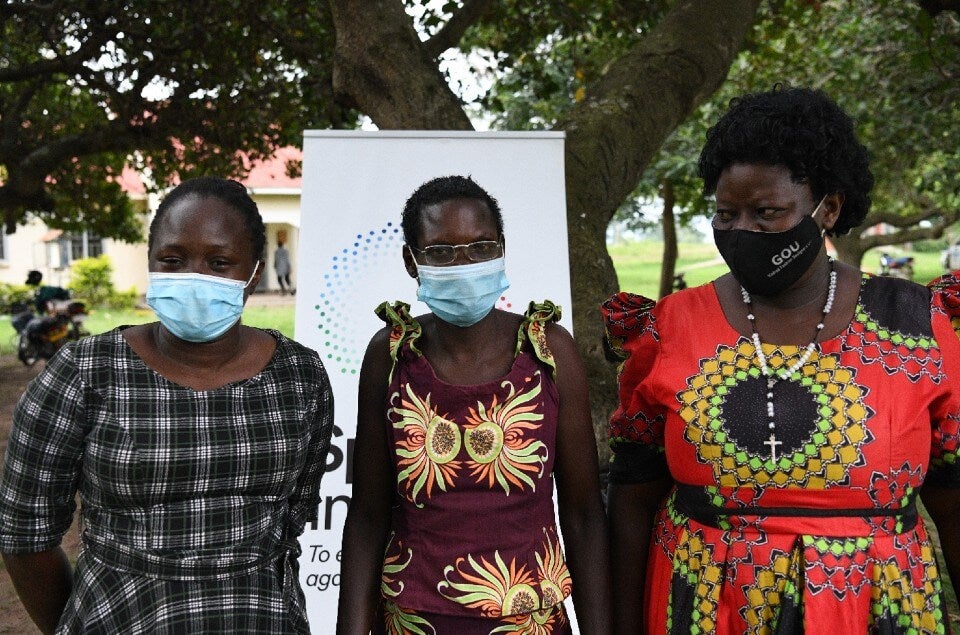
820, 534
474, 545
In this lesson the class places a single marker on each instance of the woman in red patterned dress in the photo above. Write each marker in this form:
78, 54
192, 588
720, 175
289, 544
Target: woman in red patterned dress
777, 426
465, 416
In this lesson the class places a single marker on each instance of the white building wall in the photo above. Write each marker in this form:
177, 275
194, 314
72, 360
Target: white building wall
25, 249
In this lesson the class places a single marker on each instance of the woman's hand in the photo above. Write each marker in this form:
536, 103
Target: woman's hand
43, 581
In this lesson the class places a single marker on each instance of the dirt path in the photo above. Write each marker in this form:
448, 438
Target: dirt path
14, 377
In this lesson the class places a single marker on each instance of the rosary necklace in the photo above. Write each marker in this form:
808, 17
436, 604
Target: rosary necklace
775, 376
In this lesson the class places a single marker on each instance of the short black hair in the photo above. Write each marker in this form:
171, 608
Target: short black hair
438, 190
231, 192
803, 130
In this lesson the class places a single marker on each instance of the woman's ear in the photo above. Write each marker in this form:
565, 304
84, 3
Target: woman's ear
255, 280
832, 204
409, 262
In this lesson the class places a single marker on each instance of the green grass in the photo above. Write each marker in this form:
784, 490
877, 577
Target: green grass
279, 318
102, 320
638, 265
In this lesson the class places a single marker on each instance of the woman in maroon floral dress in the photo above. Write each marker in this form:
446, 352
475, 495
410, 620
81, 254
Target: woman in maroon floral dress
465, 416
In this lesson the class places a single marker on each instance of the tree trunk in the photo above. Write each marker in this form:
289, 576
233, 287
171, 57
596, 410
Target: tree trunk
382, 69
611, 137
668, 264
850, 249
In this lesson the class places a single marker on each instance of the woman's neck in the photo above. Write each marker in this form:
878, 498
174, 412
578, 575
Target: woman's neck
199, 355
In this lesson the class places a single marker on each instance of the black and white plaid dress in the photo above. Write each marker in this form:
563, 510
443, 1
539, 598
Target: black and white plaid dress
191, 501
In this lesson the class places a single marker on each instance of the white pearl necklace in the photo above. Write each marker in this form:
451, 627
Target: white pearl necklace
774, 377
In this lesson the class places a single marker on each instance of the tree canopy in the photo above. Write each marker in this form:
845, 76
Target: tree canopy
212, 85
894, 67
174, 87
182, 87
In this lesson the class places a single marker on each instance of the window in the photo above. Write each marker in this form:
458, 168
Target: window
80, 245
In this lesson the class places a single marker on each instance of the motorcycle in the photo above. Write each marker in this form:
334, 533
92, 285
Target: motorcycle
40, 336
679, 284
896, 267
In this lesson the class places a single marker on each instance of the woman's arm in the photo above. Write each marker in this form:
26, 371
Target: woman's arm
582, 519
305, 497
43, 582
943, 505
632, 509
368, 520
41, 474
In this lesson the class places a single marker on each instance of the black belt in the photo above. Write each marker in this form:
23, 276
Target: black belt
694, 502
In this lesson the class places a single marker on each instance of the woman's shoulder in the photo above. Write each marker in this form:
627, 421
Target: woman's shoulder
945, 295
94, 348
893, 299
291, 351
401, 328
625, 312
946, 285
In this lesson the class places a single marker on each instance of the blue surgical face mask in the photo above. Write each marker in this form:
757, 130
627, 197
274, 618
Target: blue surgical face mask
463, 294
196, 307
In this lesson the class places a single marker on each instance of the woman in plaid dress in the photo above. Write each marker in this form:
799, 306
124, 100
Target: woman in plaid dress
196, 445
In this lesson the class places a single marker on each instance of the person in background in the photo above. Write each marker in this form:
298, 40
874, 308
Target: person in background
43, 295
196, 444
465, 416
777, 426
281, 265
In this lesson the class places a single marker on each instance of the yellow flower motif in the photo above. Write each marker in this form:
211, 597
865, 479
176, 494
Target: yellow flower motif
391, 566
500, 439
398, 621
428, 446
555, 581
495, 589
509, 592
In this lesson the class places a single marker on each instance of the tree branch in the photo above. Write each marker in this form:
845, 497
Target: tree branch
926, 212
61, 64
933, 7
381, 68
449, 36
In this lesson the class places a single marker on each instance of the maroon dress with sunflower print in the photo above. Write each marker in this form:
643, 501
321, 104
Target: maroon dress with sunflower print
474, 544
821, 533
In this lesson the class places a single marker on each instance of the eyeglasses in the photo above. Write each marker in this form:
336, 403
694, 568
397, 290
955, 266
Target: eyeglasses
439, 255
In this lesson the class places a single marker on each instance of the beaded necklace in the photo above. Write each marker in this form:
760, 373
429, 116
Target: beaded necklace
773, 377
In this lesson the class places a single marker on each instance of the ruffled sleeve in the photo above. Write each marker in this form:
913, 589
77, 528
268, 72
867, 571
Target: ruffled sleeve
945, 441
636, 427
534, 328
404, 329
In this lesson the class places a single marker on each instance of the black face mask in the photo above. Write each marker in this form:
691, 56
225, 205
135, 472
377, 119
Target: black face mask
767, 263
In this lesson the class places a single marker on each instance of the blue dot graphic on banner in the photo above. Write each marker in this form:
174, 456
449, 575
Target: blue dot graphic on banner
370, 251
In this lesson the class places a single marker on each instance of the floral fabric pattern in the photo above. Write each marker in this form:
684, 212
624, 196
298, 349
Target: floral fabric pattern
822, 534
473, 526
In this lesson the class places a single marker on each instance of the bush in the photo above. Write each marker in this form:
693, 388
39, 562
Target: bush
11, 294
124, 299
91, 280
933, 245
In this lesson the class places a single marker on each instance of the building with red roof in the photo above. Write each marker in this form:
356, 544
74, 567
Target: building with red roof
274, 184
